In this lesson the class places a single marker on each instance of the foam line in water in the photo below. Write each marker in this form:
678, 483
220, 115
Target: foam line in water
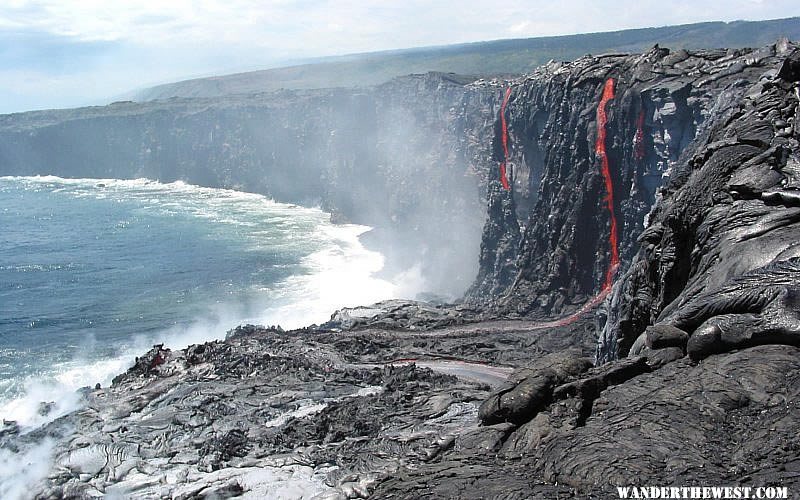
342, 274
336, 270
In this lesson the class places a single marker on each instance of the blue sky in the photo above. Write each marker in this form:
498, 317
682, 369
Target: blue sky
63, 53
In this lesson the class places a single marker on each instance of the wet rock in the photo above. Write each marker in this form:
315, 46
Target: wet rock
247, 330
9, 429
44, 408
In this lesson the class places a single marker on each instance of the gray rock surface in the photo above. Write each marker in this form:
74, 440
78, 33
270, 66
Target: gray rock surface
531, 390
718, 266
700, 376
546, 247
305, 413
731, 420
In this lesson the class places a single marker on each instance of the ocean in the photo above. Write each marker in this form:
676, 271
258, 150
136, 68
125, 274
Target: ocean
95, 271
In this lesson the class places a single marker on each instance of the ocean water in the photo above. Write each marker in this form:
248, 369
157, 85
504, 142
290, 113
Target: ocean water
93, 272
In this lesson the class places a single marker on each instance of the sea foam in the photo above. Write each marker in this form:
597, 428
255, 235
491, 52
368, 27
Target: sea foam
333, 270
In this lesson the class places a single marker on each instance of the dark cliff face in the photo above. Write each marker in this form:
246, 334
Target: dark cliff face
719, 265
714, 273
706, 317
568, 208
408, 157
415, 158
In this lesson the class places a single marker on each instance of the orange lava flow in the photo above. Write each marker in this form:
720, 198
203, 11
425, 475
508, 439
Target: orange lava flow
600, 151
504, 136
566, 320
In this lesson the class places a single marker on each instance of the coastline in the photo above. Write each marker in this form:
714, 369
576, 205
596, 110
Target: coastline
44, 403
685, 369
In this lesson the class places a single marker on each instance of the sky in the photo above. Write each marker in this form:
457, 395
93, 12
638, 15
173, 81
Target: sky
65, 53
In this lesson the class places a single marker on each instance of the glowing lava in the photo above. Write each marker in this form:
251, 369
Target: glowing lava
600, 151
504, 136
566, 320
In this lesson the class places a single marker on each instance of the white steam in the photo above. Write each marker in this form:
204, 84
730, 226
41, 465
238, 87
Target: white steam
19, 472
340, 272
343, 275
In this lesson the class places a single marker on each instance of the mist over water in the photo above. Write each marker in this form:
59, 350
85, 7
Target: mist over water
93, 272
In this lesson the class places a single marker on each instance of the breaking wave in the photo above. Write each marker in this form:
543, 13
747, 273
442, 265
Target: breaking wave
276, 264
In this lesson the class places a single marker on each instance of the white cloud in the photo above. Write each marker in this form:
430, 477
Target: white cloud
316, 27
519, 27
158, 39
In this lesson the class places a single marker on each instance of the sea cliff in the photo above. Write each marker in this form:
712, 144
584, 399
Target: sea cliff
683, 370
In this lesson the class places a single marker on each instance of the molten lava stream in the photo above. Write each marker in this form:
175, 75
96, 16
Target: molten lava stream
600, 151
504, 137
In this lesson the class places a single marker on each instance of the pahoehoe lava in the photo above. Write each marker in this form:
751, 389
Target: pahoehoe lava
635, 320
600, 150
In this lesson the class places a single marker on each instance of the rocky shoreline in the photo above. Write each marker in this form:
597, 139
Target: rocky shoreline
476, 410
687, 374
323, 412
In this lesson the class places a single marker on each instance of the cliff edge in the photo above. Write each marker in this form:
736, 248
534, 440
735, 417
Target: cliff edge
660, 189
